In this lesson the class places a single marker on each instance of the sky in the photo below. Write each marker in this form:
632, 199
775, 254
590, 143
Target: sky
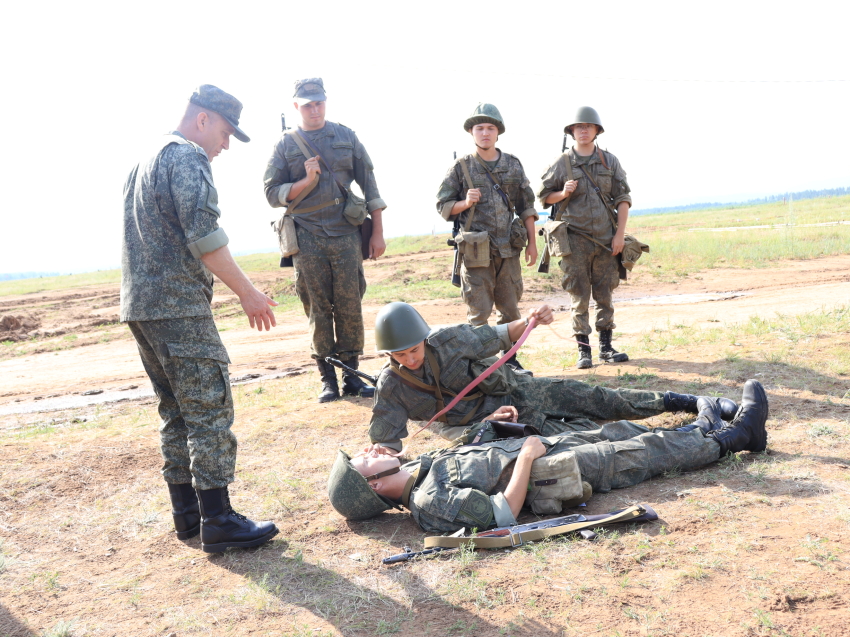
719, 101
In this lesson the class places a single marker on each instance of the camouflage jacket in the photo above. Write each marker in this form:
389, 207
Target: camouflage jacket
339, 147
491, 213
170, 219
455, 348
465, 486
585, 211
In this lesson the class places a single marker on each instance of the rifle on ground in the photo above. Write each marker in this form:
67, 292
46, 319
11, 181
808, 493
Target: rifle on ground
543, 265
514, 536
338, 363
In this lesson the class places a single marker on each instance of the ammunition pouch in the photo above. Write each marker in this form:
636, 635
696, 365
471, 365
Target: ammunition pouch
555, 483
519, 235
285, 229
475, 248
557, 237
355, 209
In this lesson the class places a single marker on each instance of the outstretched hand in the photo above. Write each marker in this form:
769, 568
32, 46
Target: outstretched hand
258, 308
542, 314
508, 413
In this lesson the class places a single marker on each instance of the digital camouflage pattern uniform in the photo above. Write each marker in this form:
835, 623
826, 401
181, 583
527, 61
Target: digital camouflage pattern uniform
500, 283
553, 405
590, 269
463, 487
329, 277
171, 219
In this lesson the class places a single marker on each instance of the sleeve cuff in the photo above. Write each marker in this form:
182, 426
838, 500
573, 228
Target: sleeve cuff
392, 444
529, 212
621, 199
502, 510
446, 210
502, 333
283, 193
210, 243
375, 204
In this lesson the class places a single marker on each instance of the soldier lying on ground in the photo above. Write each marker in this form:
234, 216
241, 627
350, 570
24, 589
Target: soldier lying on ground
487, 485
407, 387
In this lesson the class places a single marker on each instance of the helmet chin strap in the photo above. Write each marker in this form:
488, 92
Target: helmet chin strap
383, 474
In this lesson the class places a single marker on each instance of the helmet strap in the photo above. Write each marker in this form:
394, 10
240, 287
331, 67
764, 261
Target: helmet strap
383, 474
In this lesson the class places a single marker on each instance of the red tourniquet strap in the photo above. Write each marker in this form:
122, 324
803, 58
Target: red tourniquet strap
532, 322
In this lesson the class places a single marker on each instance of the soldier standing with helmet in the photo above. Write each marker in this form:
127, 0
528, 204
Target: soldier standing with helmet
496, 214
309, 168
592, 267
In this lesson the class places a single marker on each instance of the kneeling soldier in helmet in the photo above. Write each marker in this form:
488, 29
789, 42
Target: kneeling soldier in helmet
591, 267
429, 367
488, 196
487, 485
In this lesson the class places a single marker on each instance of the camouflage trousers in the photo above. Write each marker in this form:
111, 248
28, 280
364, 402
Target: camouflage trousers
499, 284
187, 364
556, 405
623, 454
590, 270
330, 283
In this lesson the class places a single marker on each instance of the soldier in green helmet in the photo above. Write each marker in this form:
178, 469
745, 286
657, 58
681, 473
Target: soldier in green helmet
427, 368
488, 196
595, 236
487, 485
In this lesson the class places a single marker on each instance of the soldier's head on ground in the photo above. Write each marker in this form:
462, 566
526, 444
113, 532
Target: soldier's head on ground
586, 125
210, 118
366, 485
400, 331
485, 125
310, 102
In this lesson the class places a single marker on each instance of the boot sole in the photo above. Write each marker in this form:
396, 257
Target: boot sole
329, 400
190, 533
760, 443
221, 546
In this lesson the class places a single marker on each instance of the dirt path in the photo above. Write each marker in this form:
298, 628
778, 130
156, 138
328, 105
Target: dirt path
724, 295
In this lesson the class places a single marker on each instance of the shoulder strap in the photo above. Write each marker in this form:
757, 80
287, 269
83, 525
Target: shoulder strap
562, 206
469, 185
606, 205
301, 140
602, 157
292, 209
510, 539
496, 185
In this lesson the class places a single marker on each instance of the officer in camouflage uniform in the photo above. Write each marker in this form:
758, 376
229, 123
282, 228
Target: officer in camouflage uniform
407, 388
501, 203
329, 276
591, 268
487, 485
172, 245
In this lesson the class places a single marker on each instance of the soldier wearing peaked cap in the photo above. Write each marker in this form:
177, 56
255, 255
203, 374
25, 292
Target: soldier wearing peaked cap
488, 196
172, 246
310, 173
590, 268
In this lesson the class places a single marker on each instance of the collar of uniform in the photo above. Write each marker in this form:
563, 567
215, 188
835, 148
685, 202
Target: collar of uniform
586, 159
500, 167
325, 131
408, 488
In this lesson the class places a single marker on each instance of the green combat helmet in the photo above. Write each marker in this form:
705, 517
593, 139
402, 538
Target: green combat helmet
585, 115
485, 114
351, 495
398, 327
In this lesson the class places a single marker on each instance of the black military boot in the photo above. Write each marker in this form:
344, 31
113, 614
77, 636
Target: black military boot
352, 384
709, 418
330, 385
607, 352
585, 358
222, 527
747, 431
688, 403
513, 363
185, 510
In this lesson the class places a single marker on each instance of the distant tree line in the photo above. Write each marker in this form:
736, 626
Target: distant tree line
25, 275
803, 194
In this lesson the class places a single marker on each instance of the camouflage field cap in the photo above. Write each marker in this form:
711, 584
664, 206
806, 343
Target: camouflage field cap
230, 108
351, 495
485, 114
585, 115
398, 326
309, 90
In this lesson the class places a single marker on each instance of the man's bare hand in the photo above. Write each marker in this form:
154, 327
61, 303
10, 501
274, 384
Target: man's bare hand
377, 246
569, 188
543, 314
531, 252
473, 196
617, 244
312, 167
508, 413
532, 448
258, 307
376, 449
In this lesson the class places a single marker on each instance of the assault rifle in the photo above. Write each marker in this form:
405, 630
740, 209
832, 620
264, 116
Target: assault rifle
338, 363
543, 265
453, 243
514, 536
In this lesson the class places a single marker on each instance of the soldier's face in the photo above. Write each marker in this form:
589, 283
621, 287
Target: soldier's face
372, 462
584, 133
412, 357
485, 135
215, 132
312, 115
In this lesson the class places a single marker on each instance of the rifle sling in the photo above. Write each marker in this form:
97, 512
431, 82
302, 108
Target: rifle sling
605, 204
588, 237
521, 537
469, 186
299, 140
496, 185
